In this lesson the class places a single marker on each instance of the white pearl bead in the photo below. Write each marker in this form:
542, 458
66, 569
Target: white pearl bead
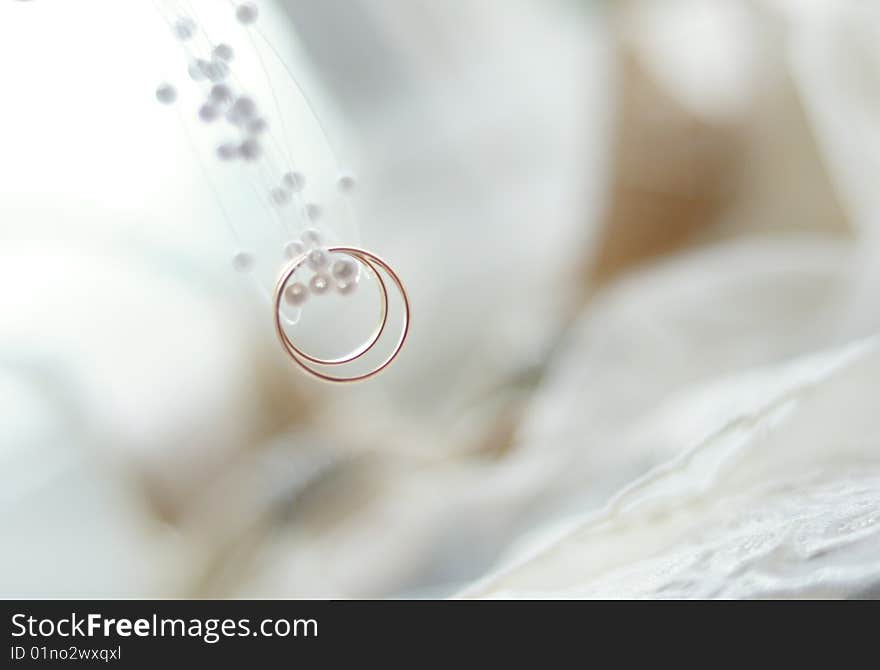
223, 52
312, 238
317, 259
243, 261
184, 28
344, 270
227, 151
346, 183
257, 126
294, 181
294, 249
319, 284
208, 113
196, 70
166, 94
215, 70
346, 287
221, 94
279, 196
313, 211
246, 13
250, 149
246, 107
296, 294
243, 110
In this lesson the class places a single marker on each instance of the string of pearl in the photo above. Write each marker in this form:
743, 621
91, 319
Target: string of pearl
243, 113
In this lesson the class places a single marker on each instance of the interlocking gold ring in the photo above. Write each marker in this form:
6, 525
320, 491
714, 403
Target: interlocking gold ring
366, 346
300, 357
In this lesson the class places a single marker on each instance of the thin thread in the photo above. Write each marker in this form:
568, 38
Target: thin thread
192, 147
314, 114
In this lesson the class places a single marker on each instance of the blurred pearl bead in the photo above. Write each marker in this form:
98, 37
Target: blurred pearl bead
250, 149
227, 151
294, 181
242, 110
215, 71
257, 126
294, 249
312, 238
344, 270
184, 28
346, 183
246, 13
208, 113
346, 287
196, 70
221, 94
243, 261
279, 196
317, 259
166, 94
319, 284
313, 211
223, 52
296, 294
245, 106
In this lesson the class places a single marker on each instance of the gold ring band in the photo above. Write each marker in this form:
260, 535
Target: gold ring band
287, 274
371, 260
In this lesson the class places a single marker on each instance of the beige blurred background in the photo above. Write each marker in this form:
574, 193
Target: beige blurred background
640, 239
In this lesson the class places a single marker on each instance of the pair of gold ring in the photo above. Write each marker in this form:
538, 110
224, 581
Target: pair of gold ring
313, 364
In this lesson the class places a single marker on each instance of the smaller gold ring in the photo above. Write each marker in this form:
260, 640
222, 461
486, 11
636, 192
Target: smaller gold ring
285, 277
370, 259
